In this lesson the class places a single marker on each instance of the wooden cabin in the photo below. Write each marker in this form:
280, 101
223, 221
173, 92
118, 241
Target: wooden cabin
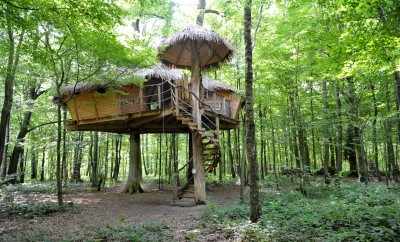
148, 108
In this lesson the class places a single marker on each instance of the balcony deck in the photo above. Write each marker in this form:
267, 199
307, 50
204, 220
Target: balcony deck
149, 109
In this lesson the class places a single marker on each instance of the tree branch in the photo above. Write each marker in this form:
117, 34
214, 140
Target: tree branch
41, 125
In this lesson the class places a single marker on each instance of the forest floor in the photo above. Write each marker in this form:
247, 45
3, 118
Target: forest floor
94, 211
344, 210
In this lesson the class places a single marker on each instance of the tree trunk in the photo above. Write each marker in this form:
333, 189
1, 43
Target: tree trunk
375, 163
42, 165
200, 17
133, 184
314, 153
76, 174
393, 167
64, 153
34, 162
58, 163
22, 168
230, 155
189, 173
325, 162
397, 80
117, 163
95, 160
12, 63
18, 149
339, 129
251, 153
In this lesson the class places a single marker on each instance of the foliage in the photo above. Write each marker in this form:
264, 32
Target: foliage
351, 212
33, 210
146, 232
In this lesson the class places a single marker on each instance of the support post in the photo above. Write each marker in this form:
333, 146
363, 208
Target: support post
134, 182
195, 86
159, 96
199, 179
176, 98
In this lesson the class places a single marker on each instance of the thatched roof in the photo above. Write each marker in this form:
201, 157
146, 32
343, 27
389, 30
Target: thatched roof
178, 49
159, 71
214, 85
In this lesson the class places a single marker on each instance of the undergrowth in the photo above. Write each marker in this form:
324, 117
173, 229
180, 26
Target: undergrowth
348, 212
32, 210
146, 232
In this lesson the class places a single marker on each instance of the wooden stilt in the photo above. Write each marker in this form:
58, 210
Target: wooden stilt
199, 179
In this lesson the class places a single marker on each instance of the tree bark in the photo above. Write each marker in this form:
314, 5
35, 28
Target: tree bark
325, 162
34, 162
76, 173
43, 163
133, 184
339, 129
202, 8
117, 163
18, 149
375, 162
95, 160
58, 163
12, 63
64, 152
397, 81
251, 153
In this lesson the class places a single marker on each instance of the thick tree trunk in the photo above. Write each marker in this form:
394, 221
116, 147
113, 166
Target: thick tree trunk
117, 163
133, 184
12, 63
350, 150
34, 162
19, 144
18, 149
251, 153
22, 168
76, 173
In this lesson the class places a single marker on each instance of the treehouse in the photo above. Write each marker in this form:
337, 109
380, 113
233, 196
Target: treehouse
156, 106
165, 102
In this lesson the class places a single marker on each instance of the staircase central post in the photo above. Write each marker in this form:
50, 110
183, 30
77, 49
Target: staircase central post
198, 171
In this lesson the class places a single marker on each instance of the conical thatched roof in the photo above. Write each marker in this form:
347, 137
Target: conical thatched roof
214, 85
157, 71
178, 49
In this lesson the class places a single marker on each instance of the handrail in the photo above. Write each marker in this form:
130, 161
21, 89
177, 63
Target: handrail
189, 105
193, 94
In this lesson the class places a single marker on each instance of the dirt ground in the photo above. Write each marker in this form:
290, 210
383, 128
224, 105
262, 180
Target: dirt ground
99, 209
